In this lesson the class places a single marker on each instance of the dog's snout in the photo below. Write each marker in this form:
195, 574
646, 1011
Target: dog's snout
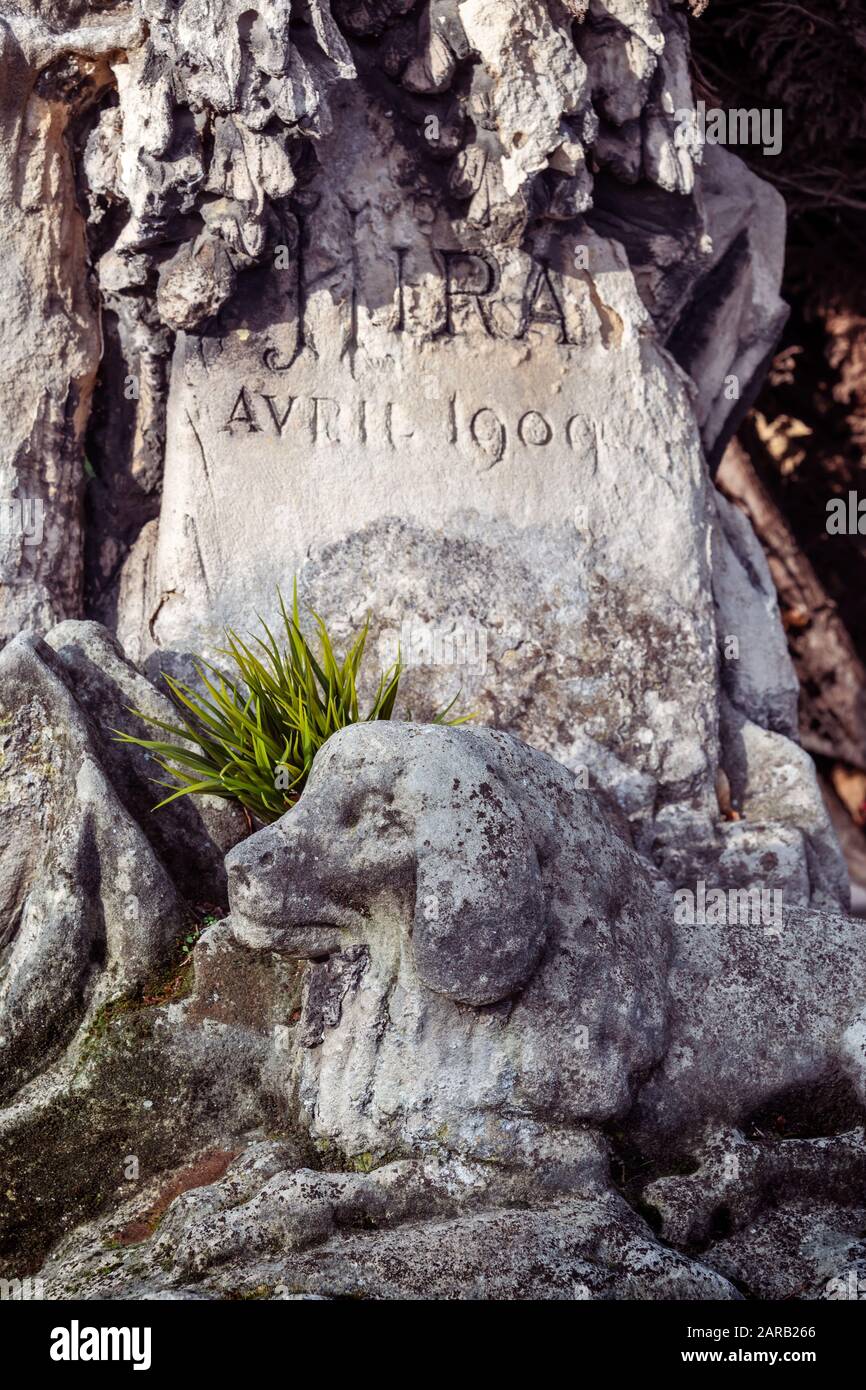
249, 867
248, 857
279, 898
238, 874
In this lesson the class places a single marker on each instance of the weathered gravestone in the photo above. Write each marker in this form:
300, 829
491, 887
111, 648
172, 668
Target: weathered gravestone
483, 446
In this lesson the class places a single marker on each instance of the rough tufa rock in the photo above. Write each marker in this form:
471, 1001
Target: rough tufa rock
289, 189
500, 992
88, 910
95, 902
428, 302
325, 238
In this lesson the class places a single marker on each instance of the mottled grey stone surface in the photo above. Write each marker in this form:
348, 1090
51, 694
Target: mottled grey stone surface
510, 1049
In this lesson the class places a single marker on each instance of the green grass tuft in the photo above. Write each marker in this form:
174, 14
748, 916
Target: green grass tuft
253, 739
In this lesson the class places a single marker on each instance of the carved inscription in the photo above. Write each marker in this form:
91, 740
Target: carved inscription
470, 294
319, 420
325, 422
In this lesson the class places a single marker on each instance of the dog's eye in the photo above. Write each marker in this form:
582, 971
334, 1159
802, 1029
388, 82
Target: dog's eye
351, 811
372, 806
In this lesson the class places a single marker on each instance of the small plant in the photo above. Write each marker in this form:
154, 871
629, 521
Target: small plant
253, 739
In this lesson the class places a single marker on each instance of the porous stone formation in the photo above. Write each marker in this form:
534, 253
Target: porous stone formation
49, 314
501, 1001
97, 897
438, 307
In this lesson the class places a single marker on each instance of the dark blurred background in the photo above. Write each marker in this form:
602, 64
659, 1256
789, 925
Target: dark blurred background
804, 441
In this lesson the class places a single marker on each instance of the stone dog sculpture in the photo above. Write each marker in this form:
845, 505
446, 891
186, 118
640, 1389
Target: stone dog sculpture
494, 964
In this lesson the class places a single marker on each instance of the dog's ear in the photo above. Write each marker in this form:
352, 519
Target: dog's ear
480, 907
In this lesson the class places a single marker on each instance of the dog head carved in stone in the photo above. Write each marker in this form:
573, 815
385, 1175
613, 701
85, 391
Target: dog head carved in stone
488, 953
